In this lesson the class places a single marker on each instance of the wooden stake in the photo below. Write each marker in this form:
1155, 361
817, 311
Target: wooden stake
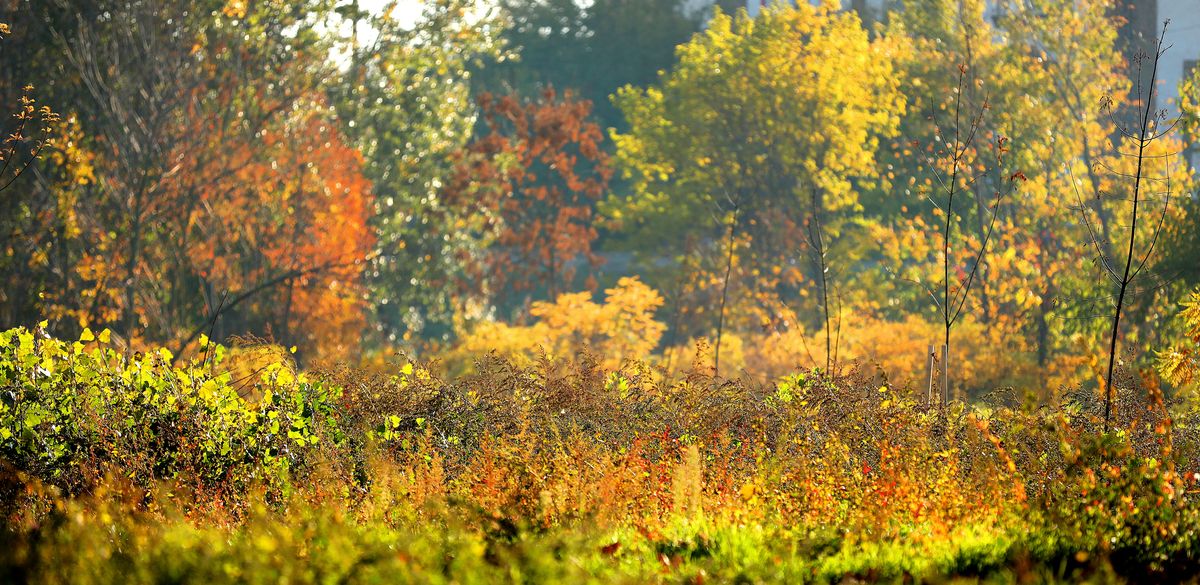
930, 357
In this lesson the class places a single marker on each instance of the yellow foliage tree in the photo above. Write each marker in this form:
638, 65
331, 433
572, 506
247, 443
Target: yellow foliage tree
756, 130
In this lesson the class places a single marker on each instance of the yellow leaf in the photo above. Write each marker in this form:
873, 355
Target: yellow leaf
747, 491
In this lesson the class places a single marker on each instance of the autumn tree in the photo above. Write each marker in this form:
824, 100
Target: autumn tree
279, 243
756, 117
1045, 67
532, 182
198, 157
1144, 188
269, 233
1060, 143
28, 213
135, 66
961, 153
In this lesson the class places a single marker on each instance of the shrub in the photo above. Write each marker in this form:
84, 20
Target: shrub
71, 412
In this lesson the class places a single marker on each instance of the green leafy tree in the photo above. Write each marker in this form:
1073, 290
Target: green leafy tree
406, 103
591, 48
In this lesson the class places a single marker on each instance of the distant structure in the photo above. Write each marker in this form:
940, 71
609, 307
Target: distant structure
868, 10
1145, 21
1146, 18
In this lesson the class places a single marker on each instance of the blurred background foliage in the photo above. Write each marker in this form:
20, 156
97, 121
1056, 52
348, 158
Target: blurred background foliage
356, 179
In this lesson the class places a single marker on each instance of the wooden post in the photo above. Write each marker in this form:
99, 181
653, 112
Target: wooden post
929, 368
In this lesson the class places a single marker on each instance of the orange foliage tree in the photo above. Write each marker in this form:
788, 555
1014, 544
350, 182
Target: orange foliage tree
201, 182
531, 184
287, 223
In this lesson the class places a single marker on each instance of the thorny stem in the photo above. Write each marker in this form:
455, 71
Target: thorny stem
817, 238
1125, 278
725, 293
952, 187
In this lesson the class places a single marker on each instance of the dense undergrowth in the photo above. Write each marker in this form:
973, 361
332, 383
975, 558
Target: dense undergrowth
233, 466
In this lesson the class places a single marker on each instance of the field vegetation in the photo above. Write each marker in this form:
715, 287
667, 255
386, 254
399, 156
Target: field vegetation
126, 467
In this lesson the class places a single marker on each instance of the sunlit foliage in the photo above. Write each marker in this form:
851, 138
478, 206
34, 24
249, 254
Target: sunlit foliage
756, 121
622, 327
